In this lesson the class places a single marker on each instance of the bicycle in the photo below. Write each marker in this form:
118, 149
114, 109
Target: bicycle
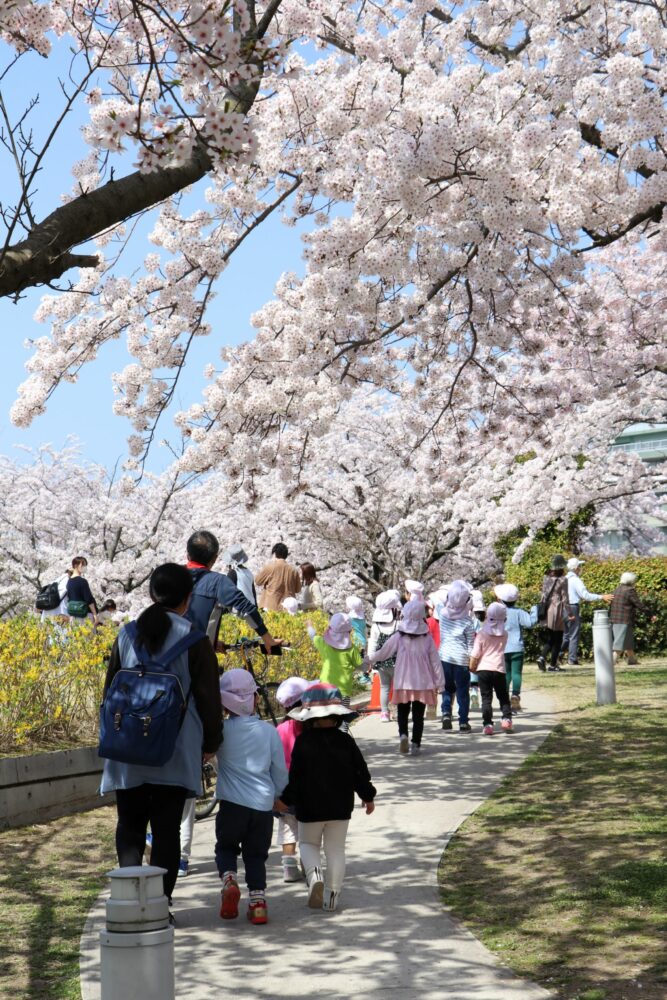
269, 709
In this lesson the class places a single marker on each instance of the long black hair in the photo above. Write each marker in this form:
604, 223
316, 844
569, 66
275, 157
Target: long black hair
170, 585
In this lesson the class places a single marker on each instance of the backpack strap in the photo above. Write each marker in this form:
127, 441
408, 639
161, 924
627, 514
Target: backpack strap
169, 655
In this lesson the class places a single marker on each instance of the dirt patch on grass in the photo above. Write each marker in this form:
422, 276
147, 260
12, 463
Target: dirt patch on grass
563, 872
50, 874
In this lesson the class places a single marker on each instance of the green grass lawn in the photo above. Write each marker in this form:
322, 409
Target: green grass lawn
50, 875
563, 872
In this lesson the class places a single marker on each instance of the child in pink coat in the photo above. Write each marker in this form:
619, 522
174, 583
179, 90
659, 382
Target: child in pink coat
289, 696
417, 674
488, 662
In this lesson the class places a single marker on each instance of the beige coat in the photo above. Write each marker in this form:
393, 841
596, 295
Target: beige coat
278, 580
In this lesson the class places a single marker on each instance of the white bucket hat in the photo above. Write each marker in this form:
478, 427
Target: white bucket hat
291, 605
337, 634
506, 592
458, 602
496, 616
290, 691
385, 604
415, 589
412, 619
628, 578
319, 701
237, 691
355, 606
477, 600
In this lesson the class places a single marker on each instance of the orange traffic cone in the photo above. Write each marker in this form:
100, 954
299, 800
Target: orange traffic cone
374, 703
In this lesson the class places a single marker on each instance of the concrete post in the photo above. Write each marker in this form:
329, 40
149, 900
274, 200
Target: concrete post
137, 947
603, 654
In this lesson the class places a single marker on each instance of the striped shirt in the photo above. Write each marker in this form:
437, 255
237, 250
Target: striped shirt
456, 639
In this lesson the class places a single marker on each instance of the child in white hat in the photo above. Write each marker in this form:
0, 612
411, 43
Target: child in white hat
517, 619
290, 605
417, 674
414, 590
385, 622
457, 634
355, 609
326, 772
488, 661
251, 776
289, 696
340, 656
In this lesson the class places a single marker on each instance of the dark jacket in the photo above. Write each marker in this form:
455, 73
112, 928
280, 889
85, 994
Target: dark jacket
78, 589
327, 768
214, 594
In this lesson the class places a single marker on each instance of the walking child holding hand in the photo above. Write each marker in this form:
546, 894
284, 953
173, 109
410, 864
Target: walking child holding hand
488, 662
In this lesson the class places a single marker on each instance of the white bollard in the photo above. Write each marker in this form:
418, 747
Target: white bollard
603, 654
137, 947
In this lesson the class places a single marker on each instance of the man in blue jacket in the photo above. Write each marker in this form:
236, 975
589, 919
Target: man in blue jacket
214, 594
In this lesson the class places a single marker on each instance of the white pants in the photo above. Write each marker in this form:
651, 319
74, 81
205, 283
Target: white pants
187, 828
332, 834
287, 829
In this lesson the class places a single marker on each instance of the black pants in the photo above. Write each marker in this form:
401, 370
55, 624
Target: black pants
491, 681
552, 642
244, 831
162, 807
403, 712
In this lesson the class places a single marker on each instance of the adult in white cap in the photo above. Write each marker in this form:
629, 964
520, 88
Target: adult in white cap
622, 613
576, 593
457, 634
384, 624
251, 776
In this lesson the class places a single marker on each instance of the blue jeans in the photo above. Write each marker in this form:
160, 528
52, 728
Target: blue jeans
571, 633
457, 681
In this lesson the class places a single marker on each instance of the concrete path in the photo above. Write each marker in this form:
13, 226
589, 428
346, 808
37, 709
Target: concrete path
391, 933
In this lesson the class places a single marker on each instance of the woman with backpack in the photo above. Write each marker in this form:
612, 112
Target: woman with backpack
178, 659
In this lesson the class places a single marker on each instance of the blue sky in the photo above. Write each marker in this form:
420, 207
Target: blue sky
84, 409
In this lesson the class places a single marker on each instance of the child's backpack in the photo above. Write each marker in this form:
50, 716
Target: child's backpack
144, 708
48, 597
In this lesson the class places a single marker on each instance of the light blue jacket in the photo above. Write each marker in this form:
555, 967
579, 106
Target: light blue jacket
184, 766
251, 763
517, 619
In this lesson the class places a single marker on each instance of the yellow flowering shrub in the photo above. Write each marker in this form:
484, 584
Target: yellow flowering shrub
301, 659
51, 679
52, 674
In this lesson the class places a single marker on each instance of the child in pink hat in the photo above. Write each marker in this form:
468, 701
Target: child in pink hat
289, 696
417, 674
340, 656
488, 662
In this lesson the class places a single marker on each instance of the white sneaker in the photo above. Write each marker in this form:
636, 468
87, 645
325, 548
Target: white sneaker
330, 900
315, 889
385, 717
403, 744
415, 749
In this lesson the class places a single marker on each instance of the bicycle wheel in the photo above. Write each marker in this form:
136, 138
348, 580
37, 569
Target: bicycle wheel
270, 708
206, 802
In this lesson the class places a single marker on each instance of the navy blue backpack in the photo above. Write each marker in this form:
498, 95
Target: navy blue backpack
144, 708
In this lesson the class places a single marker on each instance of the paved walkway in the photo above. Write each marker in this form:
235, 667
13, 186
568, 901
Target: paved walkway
391, 933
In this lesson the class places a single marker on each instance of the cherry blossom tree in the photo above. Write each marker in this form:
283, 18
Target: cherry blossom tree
467, 169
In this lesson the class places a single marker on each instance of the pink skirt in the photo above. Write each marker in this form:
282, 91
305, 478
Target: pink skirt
404, 695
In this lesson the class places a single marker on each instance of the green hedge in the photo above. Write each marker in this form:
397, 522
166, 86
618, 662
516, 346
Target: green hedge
600, 577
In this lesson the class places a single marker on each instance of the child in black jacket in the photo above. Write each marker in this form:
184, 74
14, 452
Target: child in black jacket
327, 769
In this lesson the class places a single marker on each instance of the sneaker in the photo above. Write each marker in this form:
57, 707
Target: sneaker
506, 726
415, 749
556, 670
488, 730
315, 889
257, 912
465, 727
385, 717
330, 900
291, 872
229, 898
182, 868
447, 722
515, 702
633, 661
541, 663
403, 744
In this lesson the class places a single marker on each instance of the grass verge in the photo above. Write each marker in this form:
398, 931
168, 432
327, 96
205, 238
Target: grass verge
50, 874
563, 873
